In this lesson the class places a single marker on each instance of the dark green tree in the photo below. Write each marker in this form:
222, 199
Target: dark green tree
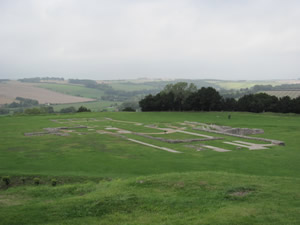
83, 109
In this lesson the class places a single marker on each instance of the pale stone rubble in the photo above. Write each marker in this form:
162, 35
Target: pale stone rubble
211, 128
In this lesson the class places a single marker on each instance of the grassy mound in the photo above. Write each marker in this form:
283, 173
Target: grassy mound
176, 198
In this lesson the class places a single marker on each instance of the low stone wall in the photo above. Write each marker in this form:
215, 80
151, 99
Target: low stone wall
44, 133
276, 142
54, 130
178, 140
244, 131
226, 129
68, 128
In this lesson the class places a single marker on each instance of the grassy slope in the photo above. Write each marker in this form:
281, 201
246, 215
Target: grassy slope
75, 90
188, 198
189, 188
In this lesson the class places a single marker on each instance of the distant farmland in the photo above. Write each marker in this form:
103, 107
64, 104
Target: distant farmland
75, 90
10, 90
279, 94
4, 99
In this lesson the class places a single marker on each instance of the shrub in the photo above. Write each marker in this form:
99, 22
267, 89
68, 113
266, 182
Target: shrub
128, 109
6, 180
18, 111
129, 106
23, 179
68, 110
53, 182
83, 109
46, 109
36, 181
4, 111
33, 111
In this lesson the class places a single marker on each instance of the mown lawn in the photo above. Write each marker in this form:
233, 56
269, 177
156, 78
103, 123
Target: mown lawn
105, 179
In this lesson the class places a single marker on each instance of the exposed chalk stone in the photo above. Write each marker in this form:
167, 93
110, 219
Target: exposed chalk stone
153, 146
198, 149
178, 140
45, 133
276, 142
54, 130
227, 129
217, 149
195, 134
250, 146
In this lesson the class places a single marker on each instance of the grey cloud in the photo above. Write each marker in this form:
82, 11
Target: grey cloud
258, 39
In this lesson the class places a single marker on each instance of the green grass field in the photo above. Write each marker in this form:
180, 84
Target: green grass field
103, 178
75, 90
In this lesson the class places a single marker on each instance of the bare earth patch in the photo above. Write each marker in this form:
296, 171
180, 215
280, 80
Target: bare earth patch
239, 193
9, 200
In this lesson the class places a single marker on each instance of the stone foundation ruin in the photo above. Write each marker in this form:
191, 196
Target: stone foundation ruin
54, 130
178, 140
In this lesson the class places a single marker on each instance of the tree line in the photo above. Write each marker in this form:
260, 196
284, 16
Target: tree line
22, 102
186, 97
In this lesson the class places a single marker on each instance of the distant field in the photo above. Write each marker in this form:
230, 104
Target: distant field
279, 94
75, 90
5, 99
131, 86
94, 106
13, 89
248, 84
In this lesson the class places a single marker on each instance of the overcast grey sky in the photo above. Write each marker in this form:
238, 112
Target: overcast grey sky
119, 39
